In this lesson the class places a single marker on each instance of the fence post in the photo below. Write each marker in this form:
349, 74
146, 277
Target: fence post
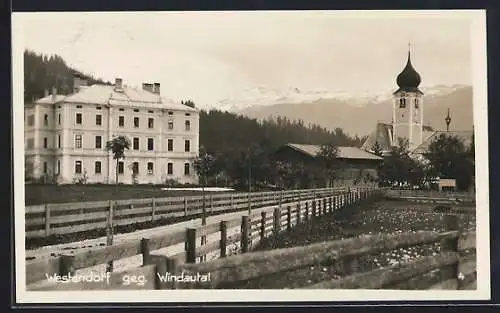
211, 204
325, 208
277, 220
450, 245
298, 213
313, 209
66, 265
153, 209
191, 245
47, 220
146, 255
109, 232
185, 206
245, 238
262, 225
232, 201
306, 216
289, 218
223, 239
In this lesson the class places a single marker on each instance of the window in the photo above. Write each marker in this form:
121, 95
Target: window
170, 168
150, 144
121, 110
98, 142
170, 124
186, 169
120, 167
78, 141
150, 168
97, 108
136, 122
46, 120
151, 122
136, 110
31, 143
151, 112
59, 118
188, 114
98, 167
402, 103
187, 146
31, 120
45, 167
170, 145
45, 142
98, 119
59, 141
136, 143
121, 121
78, 106
188, 125
58, 167
170, 113
78, 167
79, 118
416, 103
135, 167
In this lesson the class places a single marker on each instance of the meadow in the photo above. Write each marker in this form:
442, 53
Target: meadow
46, 193
367, 219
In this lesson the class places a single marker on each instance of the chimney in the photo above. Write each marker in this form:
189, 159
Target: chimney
148, 87
156, 88
54, 94
46, 93
118, 83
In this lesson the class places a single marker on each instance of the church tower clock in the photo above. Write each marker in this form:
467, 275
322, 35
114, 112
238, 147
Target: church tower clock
408, 107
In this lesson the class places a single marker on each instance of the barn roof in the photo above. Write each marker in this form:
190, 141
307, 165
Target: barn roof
344, 152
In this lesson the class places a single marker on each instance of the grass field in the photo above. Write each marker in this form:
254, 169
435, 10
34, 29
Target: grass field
41, 194
379, 217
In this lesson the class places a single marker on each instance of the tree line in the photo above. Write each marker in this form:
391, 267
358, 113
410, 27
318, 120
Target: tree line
447, 157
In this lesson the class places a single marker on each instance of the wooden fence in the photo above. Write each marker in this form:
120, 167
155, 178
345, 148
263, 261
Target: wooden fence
431, 196
65, 218
272, 220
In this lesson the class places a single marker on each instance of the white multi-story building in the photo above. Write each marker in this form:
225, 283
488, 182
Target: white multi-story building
65, 136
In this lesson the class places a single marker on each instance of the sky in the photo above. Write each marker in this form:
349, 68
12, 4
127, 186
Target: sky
211, 56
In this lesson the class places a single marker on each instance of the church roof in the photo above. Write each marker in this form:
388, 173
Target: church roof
409, 79
381, 135
465, 136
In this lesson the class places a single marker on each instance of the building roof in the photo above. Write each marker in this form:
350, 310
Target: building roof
409, 79
465, 136
344, 152
383, 135
127, 96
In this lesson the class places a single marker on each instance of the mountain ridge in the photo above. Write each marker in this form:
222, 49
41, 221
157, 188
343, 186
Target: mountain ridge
366, 111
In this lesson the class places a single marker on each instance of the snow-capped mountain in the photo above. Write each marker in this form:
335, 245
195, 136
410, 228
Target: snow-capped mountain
261, 96
358, 114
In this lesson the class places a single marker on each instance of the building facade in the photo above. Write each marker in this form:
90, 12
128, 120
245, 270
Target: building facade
356, 167
65, 136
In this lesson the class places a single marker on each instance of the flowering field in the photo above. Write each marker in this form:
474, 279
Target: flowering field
380, 217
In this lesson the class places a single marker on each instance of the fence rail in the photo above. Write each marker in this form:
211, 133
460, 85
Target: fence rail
65, 218
272, 220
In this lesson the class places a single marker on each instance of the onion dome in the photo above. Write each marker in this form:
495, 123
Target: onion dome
408, 79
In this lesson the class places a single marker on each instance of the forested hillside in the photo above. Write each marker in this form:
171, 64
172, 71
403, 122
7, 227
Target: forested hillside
43, 72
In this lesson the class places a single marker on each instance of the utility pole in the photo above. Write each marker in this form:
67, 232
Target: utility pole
249, 181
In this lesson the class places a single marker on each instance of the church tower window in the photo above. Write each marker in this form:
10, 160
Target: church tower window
402, 103
416, 103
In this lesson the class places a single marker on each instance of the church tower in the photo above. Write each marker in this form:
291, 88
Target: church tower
408, 107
